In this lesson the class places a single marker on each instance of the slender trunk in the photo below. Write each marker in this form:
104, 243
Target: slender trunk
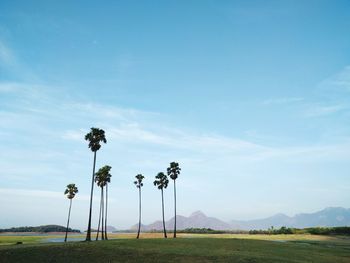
103, 211
88, 233
99, 218
70, 206
138, 232
165, 236
106, 212
175, 209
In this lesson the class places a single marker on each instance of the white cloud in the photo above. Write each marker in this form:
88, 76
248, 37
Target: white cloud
38, 193
6, 55
318, 110
340, 80
279, 101
336, 85
9, 87
74, 135
136, 127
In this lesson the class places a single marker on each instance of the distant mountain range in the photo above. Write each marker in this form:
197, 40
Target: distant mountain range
329, 217
196, 219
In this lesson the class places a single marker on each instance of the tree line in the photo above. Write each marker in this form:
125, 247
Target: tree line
342, 230
102, 178
39, 229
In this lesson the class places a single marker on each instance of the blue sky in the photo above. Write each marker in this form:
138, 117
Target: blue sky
251, 98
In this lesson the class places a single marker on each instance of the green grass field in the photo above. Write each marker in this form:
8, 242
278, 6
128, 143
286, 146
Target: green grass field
187, 248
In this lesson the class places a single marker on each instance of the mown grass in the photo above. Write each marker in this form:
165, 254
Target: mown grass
13, 239
182, 250
10, 240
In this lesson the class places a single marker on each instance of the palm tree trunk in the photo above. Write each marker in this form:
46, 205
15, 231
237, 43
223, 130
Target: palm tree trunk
165, 236
175, 209
106, 212
70, 206
99, 218
88, 234
103, 211
138, 232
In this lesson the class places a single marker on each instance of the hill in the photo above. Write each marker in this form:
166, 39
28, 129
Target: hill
196, 220
329, 217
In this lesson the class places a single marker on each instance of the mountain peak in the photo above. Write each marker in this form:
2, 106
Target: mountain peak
279, 216
198, 214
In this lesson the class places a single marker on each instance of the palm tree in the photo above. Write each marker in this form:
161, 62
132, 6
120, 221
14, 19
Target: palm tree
108, 176
139, 184
100, 182
173, 171
95, 137
162, 183
70, 191
102, 177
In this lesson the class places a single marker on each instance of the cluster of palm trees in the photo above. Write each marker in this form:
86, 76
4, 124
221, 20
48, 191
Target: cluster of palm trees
102, 178
161, 182
95, 137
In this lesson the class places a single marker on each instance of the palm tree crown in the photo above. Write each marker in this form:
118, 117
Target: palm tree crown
95, 137
173, 170
161, 181
71, 191
102, 177
138, 182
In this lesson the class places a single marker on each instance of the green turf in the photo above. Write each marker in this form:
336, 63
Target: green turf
9, 240
179, 250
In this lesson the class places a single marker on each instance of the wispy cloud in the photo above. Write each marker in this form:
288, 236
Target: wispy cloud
6, 55
33, 193
331, 96
19, 88
137, 127
12, 64
39, 193
339, 81
318, 110
279, 101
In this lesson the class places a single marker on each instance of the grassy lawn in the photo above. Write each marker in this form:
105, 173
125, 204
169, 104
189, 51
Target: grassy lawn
189, 249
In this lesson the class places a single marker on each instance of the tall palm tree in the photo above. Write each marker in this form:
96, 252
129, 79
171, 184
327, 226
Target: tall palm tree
100, 214
102, 177
162, 183
70, 191
108, 176
173, 172
94, 137
100, 182
139, 184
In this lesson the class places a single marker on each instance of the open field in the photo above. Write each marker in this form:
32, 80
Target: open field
188, 248
30, 239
